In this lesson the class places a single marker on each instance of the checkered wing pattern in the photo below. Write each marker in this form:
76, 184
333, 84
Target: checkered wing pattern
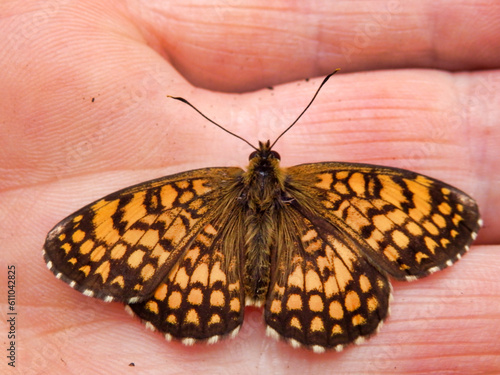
121, 247
324, 294
202, 298
407, 225
353, 226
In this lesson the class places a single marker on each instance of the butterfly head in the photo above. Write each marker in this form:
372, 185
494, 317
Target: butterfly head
264, 161
264, 169
264, 152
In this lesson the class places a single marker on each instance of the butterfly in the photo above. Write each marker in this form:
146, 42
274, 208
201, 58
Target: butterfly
313, 244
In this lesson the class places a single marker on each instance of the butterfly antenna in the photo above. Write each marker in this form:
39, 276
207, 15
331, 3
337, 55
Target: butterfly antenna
212, 121
304, 111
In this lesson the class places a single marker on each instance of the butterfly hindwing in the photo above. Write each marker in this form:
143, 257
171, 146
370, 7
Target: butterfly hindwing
407, 224
324, 294
202, 297
122, 246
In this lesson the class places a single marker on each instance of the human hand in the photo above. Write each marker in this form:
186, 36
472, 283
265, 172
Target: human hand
85, 113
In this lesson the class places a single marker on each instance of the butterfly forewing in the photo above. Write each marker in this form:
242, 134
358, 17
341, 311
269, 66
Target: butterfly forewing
123, 245
407, 225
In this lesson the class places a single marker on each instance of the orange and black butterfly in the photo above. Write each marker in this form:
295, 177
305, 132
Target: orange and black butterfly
314, 244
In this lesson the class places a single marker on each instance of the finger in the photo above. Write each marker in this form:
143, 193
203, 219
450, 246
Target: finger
228, 47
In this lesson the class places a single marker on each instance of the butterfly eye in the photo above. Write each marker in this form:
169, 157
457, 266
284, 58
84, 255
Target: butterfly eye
275, 155
253, 155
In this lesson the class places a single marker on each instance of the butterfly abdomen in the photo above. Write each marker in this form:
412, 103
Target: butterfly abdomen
257, 254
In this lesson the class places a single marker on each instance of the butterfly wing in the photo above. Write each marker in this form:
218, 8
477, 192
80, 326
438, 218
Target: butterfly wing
406, 224
347, 226
323, 293
123, 246
202, 298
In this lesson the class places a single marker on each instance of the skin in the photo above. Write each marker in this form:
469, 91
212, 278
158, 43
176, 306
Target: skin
84, 112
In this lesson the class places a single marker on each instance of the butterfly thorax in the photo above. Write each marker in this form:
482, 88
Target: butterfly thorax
264, 188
